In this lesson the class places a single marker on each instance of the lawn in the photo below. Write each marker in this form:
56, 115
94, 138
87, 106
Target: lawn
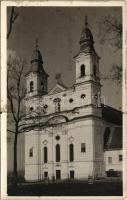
98, 188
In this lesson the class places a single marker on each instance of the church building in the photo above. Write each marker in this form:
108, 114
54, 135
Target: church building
64, 128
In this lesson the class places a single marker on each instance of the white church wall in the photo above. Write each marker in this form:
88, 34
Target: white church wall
76, 133
98, 148
31, 163
65, 97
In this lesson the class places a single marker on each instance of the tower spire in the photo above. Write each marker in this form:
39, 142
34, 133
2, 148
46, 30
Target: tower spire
86, 21
86, 39
36, 56
36, 43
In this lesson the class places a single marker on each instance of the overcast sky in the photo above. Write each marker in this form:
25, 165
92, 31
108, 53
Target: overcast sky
58, 31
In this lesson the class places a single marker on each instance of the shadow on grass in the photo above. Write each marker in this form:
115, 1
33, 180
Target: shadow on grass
67, 189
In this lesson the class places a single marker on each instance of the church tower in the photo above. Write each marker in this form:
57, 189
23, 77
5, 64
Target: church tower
87, 60
88, 81
36, 78
87, 64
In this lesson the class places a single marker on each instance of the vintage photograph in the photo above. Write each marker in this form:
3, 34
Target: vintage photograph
64, 101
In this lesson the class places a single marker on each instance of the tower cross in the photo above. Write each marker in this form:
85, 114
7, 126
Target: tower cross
86, 23
36, 43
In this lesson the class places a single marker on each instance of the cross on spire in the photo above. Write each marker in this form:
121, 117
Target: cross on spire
36, 43
86, 23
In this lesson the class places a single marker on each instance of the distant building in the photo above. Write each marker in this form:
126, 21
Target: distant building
64, 128
113, 151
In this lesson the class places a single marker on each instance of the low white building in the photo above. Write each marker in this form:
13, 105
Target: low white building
113, 154
64, 128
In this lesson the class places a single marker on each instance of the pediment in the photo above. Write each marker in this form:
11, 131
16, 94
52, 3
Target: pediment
58, 88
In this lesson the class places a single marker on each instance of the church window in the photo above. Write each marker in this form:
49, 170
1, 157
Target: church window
71, 100
57, 153
31, 108
45, 154
83, 96
120, 158
57, 104
94, 70
71, 152
31, 152
82, 70
42, 87
31, 86
57, 137
83, 147
95, 96
109, 159
45, 106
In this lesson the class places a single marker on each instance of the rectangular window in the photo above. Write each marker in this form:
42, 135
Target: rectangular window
120, 158
83, 147
31, 152
109, 159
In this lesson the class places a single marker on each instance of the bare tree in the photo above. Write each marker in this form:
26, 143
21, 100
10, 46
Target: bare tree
15, 93
17, 113
111, 32
12, 19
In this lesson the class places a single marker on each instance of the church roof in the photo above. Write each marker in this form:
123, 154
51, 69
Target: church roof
112, 134
86, 35
113, 138
59, 87
36, 62
36, 56
86, 39
111, 115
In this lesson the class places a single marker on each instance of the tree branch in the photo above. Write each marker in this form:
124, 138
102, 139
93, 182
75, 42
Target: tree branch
11, 21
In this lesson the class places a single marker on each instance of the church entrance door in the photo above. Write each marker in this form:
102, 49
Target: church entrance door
45, 175
58, 174
71, 174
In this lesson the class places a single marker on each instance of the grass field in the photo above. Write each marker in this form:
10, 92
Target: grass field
98, 188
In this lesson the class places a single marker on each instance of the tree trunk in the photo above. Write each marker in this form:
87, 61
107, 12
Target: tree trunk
15, 158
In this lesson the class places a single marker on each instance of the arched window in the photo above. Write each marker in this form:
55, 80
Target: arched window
82, 70
71, 152
94, 70
42, 86
31, 86
57, 153
45, 154
57, 104
31, 152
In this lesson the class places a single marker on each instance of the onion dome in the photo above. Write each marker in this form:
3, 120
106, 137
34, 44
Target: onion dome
86, 39
36, 56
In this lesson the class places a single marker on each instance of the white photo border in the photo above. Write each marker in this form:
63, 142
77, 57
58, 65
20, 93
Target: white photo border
4, 5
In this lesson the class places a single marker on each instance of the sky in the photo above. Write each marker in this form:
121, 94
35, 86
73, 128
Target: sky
58, 31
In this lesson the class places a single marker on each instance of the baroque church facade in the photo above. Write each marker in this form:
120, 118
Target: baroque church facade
64, 128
